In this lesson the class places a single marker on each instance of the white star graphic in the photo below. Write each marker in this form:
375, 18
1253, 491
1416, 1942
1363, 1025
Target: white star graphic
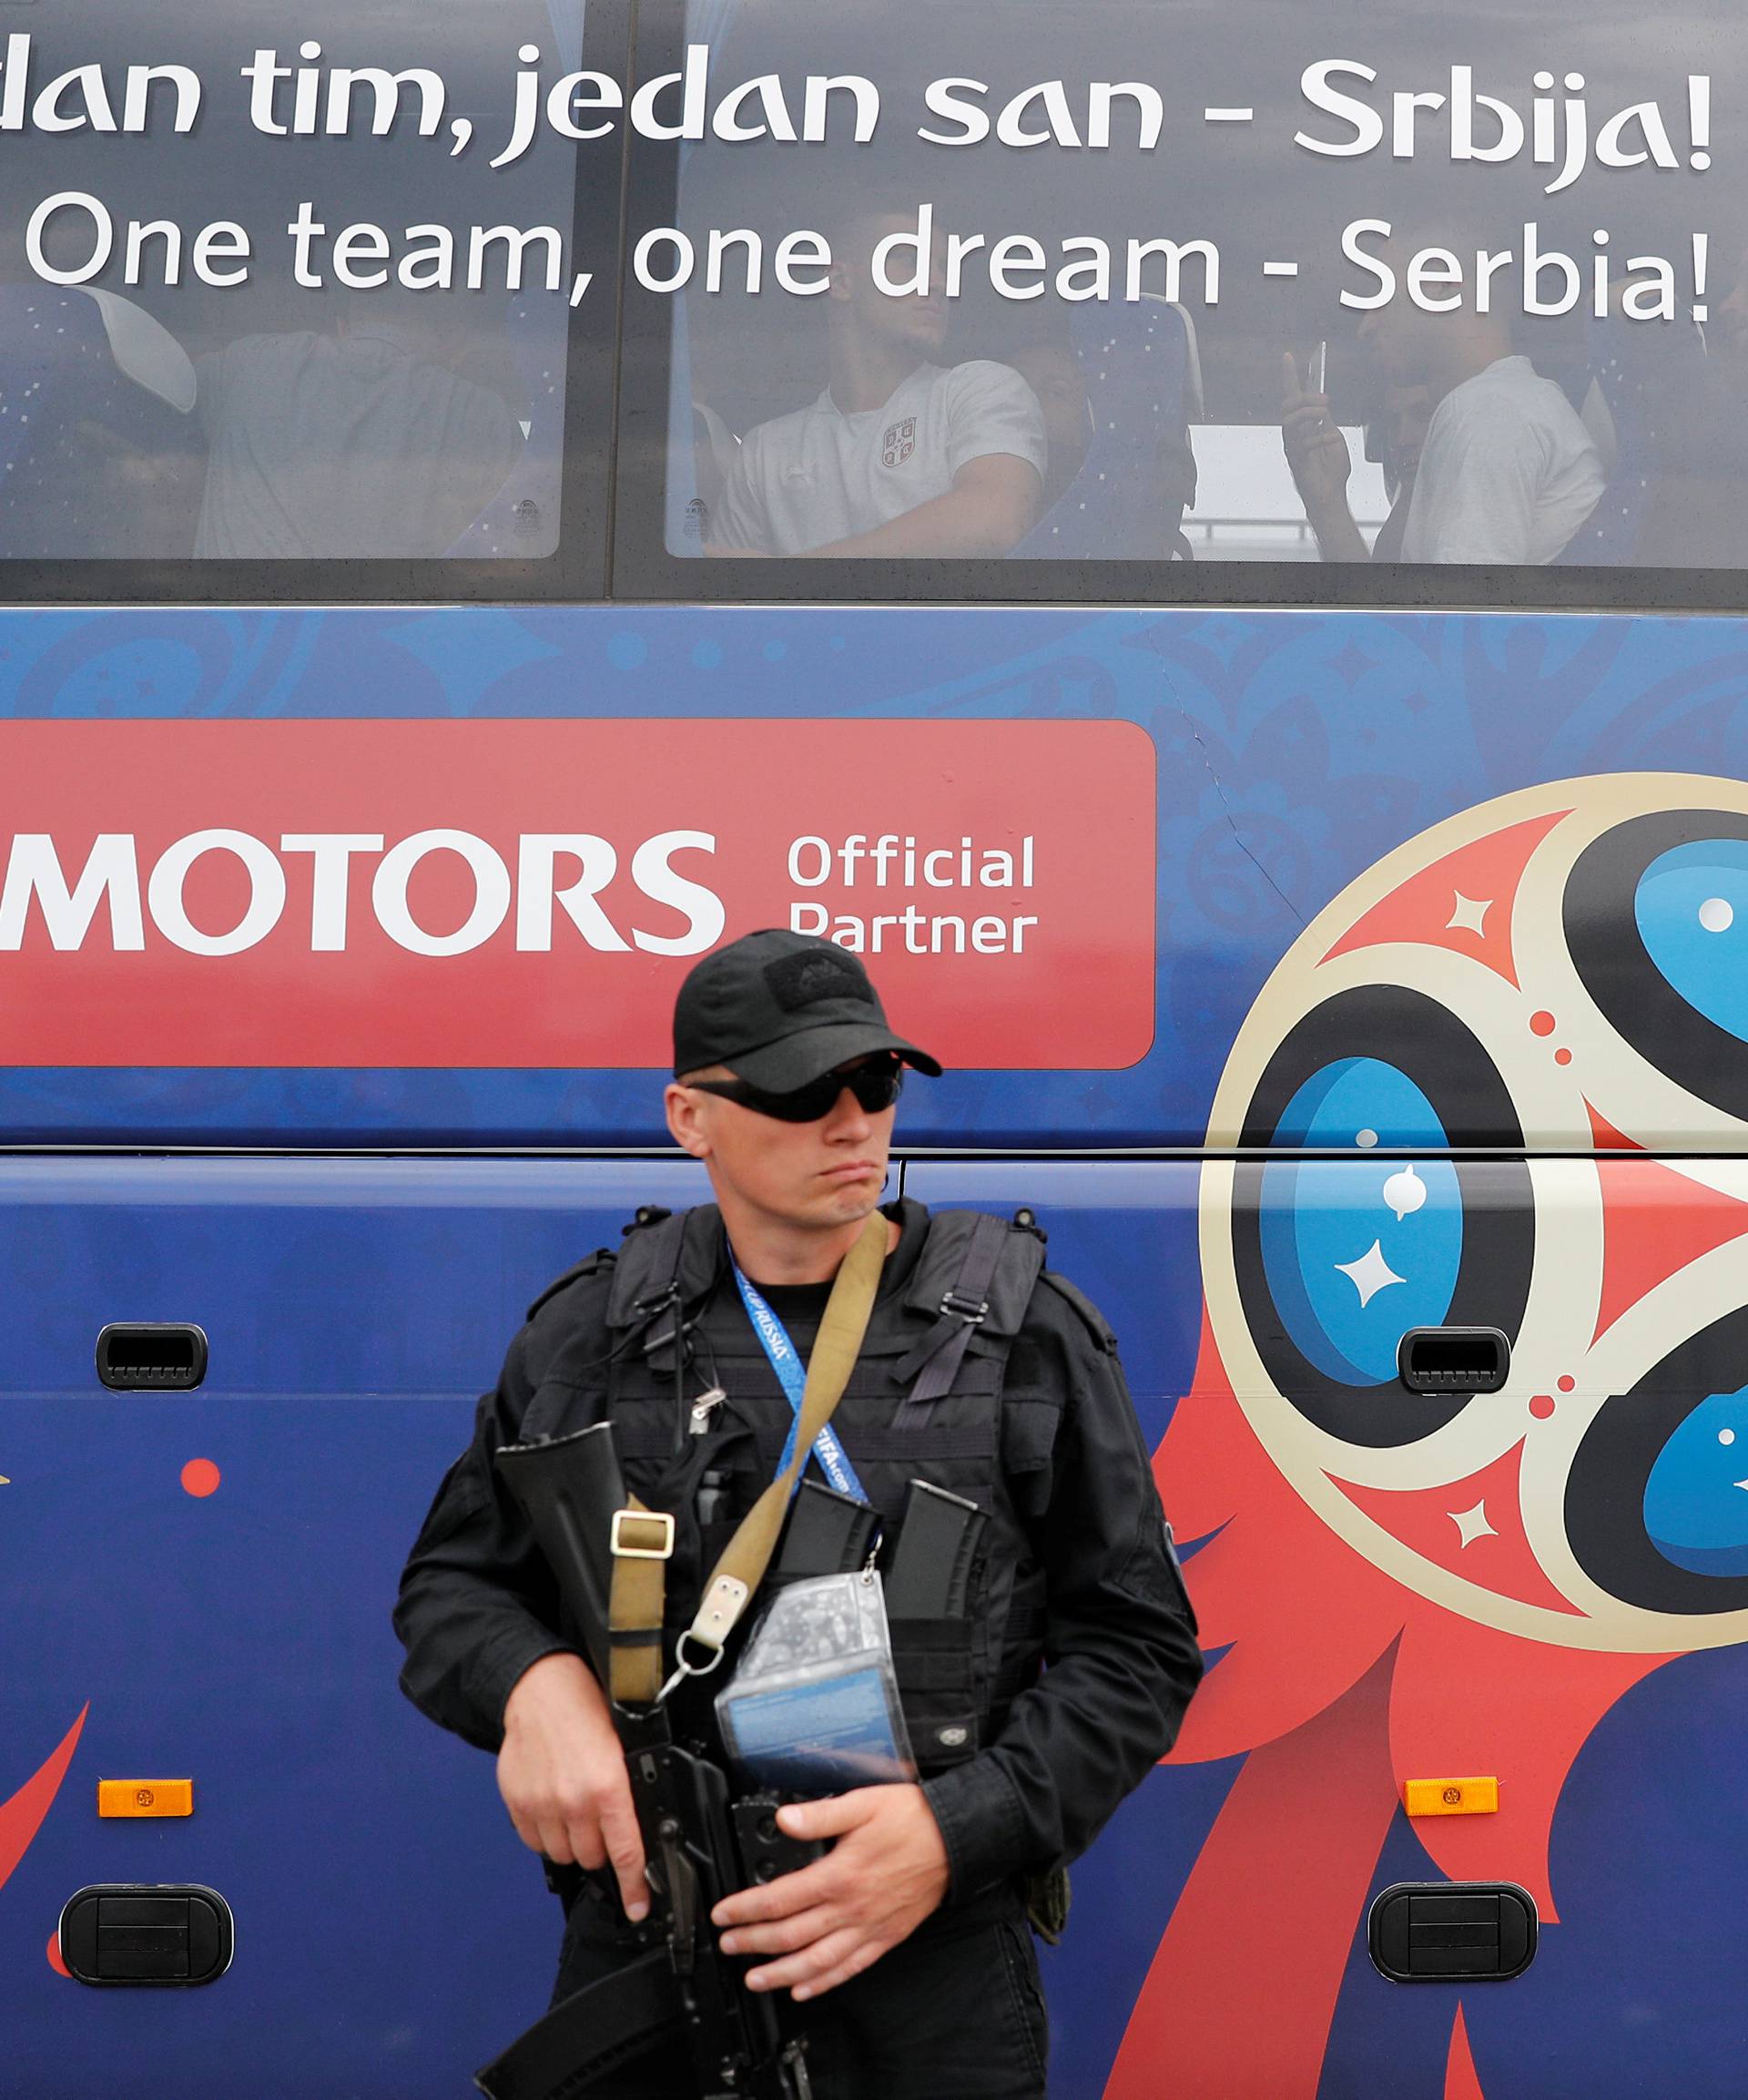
1370, 1274
1469, 915
1471, 1524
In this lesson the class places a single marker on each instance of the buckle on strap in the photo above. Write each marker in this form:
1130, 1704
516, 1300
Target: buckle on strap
973, 1312
648, 1313
641, 1535
685, 1667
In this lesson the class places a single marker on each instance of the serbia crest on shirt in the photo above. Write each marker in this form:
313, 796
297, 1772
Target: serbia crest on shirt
898, 442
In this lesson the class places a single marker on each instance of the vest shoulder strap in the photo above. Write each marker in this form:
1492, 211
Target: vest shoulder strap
976, 1276
672, 1259
1090, 1317
974, 1262
590, 1265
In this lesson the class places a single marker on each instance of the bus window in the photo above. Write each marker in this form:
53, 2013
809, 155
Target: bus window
265, 300
1012, 285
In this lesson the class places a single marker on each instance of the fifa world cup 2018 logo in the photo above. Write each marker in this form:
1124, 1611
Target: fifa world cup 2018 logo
1561, 974
1502, 1082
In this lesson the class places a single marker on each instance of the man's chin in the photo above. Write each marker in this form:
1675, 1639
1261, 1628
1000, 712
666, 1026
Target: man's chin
925, 338
853, 1201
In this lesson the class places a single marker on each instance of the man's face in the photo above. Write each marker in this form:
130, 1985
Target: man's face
1397, 338
1407, 412
1401, 336
826, 1174
918, 323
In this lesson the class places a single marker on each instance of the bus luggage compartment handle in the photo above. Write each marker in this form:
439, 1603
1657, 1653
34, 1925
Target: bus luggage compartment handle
151, 1356
1454, 1359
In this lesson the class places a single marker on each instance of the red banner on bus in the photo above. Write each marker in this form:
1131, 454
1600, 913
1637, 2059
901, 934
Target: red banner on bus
530, 893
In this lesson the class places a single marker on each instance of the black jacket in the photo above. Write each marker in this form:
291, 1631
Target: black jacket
1087, 1684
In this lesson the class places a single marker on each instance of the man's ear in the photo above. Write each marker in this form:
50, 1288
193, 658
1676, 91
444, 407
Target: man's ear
686, 1120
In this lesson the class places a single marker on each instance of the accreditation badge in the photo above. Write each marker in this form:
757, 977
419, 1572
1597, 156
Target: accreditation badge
814, 1707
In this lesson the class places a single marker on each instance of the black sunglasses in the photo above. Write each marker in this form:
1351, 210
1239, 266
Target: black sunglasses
875, 1085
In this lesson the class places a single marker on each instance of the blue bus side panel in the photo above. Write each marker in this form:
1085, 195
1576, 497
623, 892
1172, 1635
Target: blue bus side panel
392, 1933
1544, 1585
1532, 938
1474, 1598
1294, 753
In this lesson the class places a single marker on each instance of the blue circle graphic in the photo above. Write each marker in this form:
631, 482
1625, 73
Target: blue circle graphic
1691, 908
1357, 1250
1696, 1497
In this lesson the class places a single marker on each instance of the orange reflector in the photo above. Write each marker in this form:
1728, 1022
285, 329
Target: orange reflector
144, 1797
1451, 1797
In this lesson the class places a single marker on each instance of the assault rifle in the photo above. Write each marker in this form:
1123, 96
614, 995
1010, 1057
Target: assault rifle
700, 1844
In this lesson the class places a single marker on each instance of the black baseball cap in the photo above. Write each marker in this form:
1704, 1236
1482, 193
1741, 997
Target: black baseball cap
782, 1010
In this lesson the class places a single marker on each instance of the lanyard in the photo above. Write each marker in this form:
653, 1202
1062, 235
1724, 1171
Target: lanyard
792, 1376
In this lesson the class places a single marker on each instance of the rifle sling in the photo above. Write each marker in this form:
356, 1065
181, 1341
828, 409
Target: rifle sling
590, 2033
635, 1602
638, 1583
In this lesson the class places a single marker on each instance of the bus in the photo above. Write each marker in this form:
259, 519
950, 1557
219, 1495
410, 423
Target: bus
1196, 536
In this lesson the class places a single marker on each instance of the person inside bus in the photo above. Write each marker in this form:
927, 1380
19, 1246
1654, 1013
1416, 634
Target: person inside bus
1316, 452
1508, 473
355, 438
901, 455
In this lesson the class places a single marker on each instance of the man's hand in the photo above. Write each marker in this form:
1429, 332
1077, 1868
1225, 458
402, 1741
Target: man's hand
562, 1774
886, 1873
1317, 453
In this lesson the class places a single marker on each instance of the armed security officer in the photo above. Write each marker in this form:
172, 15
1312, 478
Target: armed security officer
902, 1954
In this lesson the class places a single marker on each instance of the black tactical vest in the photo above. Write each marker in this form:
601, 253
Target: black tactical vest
925, 1402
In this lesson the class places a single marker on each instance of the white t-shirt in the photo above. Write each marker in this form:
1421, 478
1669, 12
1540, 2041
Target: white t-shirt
804, 480
1508, 473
